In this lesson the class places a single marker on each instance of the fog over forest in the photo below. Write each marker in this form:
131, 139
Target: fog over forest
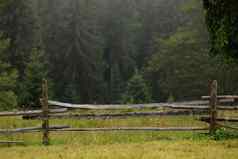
107, 51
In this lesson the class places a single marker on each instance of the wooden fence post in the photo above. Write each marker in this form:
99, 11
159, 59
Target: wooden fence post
213, 104
45, 113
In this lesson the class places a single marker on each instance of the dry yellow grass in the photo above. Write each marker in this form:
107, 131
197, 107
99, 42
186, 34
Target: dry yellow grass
118, 145
150, 150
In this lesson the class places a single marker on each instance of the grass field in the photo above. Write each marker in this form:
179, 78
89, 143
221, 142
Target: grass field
110, 145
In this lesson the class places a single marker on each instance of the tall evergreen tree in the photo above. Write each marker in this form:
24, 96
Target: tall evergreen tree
34, 73
119, 49
81, 51
8, 99
17, 25
222, 22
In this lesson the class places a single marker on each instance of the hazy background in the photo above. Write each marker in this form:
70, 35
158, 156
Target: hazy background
110, 51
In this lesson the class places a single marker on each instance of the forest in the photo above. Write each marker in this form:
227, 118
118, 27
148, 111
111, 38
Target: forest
115, 51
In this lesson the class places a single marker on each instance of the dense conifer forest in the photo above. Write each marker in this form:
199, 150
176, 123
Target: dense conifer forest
116, 51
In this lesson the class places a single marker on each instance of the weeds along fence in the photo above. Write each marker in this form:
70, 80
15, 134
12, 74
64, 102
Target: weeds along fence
210, 105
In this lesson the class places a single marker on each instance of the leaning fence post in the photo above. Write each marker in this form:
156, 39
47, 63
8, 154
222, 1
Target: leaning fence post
45, 113
213, 104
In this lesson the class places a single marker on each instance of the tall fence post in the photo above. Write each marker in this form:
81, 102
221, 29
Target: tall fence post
213, 104
45, 113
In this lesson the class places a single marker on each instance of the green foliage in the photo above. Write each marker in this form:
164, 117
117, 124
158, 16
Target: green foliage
222, 22
8, 99
137, 90
34, 73
181, 65
71, 94
171, 98
91, 48
177, 67
223, 134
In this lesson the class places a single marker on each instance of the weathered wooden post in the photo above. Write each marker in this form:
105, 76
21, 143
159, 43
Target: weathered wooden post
45, 113
213, 104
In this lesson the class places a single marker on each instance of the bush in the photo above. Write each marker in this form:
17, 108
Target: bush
223, 134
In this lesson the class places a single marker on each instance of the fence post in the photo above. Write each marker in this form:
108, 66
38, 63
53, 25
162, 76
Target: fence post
45, 113
213, 104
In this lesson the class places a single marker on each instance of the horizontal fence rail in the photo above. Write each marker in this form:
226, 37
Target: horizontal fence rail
11, 142
29, 129
135, 129
226, 119
227, 126
31, 112
119, 115
221, 97
177, 105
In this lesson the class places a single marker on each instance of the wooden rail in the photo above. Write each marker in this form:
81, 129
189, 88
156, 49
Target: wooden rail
11, 142
133, 129
221, 97
119, 115
31, 112
220, 119
177, 105
227, 126
30, 129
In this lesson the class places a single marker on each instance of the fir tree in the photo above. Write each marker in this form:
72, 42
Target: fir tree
17, 25
34, 73
82, 50
137, 90
8, 99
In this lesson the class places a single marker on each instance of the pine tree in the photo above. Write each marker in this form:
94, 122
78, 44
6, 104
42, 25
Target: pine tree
81, 51
222, 22
8, 99
137, 90
119, 36
34, 73
17, 25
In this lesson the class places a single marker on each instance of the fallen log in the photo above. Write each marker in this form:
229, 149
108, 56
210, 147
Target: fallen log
31, 112
132, 129
30, 129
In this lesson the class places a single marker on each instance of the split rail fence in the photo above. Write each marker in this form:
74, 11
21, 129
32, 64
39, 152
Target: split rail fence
210, 105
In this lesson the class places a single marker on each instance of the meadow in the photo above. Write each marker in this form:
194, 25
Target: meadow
128, 145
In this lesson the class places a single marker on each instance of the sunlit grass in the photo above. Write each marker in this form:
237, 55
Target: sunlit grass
86, 138
164, 149
137, 145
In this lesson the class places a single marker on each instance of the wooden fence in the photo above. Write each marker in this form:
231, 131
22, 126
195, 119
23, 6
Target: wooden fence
209, 105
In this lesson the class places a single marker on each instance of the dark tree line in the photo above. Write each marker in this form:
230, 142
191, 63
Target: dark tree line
107, 51
222, 22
